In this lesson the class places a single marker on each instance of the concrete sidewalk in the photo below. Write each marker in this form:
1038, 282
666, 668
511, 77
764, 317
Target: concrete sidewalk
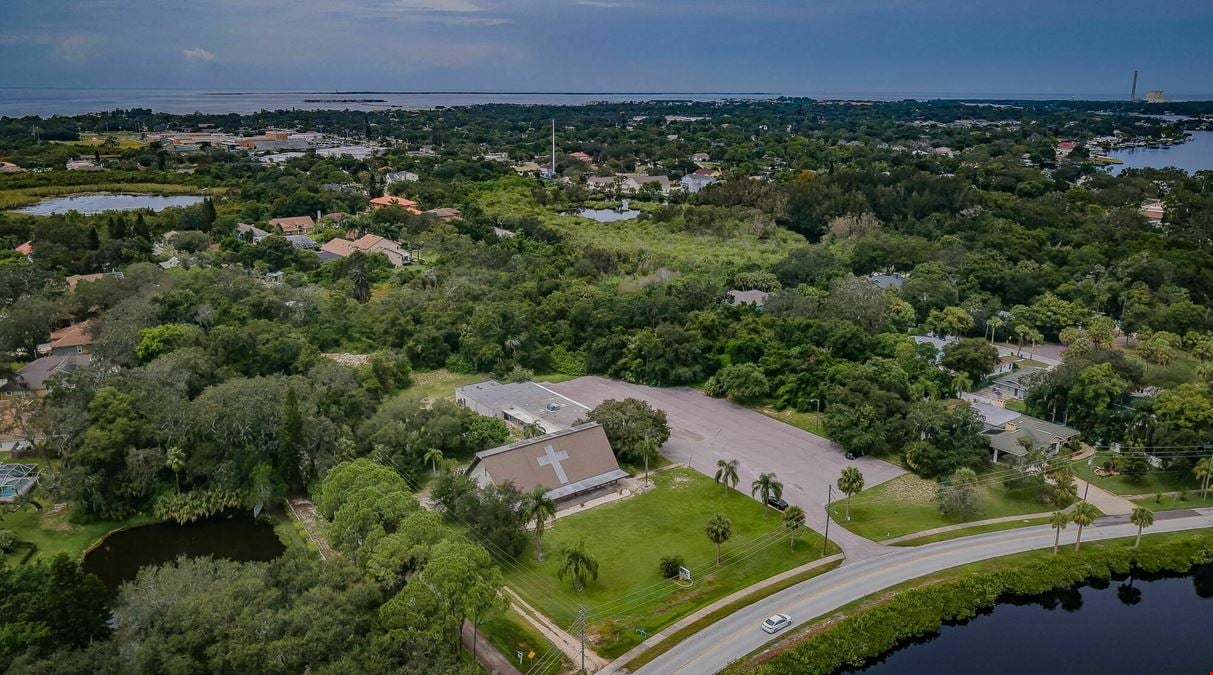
562, 640
655, 639
963, 526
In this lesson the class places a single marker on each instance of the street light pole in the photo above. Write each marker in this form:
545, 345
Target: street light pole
825, 545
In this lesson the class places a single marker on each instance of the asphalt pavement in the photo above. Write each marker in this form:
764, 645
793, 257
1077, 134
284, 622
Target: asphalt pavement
704, 429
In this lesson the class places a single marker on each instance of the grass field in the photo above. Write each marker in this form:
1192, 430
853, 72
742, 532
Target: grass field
630, 537
1155, 480
807, 421
970, 531
53, 534
906, 504
647, 241
511, 634
1192, 500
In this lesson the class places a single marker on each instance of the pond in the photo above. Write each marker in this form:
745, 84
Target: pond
121, 555
1135, 625
608, 215
1194, 155
92, 204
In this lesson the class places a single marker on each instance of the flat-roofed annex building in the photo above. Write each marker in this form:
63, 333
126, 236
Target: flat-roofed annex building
566, 463
522, 403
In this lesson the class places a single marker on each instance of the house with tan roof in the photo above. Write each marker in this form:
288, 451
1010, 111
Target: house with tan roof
74, 339
566, 463
393, 200
445, 213
294, 224
368, 243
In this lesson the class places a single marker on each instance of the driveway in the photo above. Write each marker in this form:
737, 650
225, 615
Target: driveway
704, 429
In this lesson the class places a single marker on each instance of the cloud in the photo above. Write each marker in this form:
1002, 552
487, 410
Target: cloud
73, 47
198, 54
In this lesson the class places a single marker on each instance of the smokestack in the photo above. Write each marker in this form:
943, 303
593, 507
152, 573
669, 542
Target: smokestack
1133, 91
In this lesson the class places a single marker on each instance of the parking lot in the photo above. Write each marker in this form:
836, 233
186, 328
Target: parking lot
705, 429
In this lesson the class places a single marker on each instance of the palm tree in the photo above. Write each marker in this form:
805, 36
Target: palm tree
433, 456
793, 520
175, 460
647, 450
537, 506
726, 473
1083, 515
1059, 520
767, 487
994, 323
850, 482
719, 529
1142, 518
1204, 471
578, 565
962, 383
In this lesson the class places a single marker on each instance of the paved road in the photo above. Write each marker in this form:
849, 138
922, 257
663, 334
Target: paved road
735, 636
704, 429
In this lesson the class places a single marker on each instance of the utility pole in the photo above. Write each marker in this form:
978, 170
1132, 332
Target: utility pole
553, 148
580, 623
825, 545
1133, 90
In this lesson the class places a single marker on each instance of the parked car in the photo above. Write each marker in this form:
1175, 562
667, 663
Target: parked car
777, 503
776, 623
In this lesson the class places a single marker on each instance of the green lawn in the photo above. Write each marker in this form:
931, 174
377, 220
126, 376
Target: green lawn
53, 534
511, 634
1155, 480
970, 531
906, 504
1192, 500
811, 422
629, 538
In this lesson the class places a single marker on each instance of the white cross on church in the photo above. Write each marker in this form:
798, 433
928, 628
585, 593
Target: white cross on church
553, 459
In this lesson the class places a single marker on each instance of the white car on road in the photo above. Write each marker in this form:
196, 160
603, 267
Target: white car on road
776, 623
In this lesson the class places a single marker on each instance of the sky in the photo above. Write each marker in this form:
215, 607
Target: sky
1062, 47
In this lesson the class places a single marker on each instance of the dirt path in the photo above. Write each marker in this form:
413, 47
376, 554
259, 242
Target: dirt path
305, 512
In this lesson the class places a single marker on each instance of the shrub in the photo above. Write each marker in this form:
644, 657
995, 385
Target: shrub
8, 541
670, 565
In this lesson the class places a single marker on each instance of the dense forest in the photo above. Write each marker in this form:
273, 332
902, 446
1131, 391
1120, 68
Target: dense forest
211, 385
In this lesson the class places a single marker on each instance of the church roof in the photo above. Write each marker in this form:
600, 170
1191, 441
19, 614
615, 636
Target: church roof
566, 462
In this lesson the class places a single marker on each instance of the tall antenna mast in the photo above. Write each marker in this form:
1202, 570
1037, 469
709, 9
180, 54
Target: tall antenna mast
553, 148
1133, 91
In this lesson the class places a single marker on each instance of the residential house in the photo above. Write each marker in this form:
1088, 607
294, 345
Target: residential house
250, 232
74, 339
26, 249
1064, 148
755, 298
1018, 383
369, 243
82, 165
893, 280
1154, 211
693, 182
565, 463
400, 177
601, 183
701, 157
581, 156
172, 263
635, 182
9, 167
522, 403
393, 200
445, 213
707, 171
1007, 431
75, 279
32, 379
294, 224
302, 241
524, 168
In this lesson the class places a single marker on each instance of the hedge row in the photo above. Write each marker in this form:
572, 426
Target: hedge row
921, 611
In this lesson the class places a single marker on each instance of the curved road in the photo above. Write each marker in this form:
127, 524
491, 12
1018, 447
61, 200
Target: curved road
738, 634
